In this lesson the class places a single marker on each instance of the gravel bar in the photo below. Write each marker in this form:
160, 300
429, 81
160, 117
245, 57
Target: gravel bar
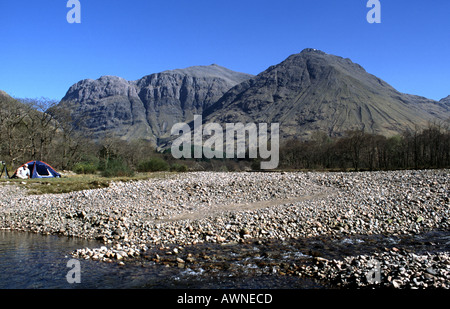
200, 207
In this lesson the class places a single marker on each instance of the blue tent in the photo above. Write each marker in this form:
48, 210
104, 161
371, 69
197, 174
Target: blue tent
39, 169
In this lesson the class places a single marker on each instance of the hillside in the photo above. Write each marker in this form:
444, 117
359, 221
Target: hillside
146, 108
308, 92
314, 91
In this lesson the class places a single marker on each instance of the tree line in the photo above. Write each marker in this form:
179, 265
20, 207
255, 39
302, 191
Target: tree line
359, 150
38, 129
28, 132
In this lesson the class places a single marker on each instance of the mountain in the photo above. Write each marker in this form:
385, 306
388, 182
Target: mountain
4, 95
146, 108
446, 101
307, 92
313, 91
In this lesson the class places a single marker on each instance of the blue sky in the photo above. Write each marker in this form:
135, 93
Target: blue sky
42, 55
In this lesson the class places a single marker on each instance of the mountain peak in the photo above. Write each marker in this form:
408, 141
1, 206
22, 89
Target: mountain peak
307, 92
4, 94
111, 78
148, 107
312, 50
445, 100
315, 91
210, 71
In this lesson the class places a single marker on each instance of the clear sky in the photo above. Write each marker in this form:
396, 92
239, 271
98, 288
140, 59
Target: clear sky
42, 55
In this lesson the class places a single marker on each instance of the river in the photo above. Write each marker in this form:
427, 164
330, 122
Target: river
31, 261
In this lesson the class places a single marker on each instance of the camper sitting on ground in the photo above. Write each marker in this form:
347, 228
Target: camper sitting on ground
23, 172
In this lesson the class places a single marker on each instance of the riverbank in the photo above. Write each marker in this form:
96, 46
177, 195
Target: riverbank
131, 218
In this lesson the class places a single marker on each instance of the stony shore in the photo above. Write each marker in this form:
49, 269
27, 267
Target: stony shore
191, 208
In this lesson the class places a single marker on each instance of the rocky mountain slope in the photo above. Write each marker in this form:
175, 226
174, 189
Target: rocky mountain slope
146, 108
309, 91
3, 94
313, 91
446, 101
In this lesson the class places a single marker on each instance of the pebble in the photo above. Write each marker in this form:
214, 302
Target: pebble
414, 273
197, 207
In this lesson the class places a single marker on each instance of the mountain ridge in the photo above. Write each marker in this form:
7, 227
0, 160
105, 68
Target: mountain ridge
147, 107
445, 100
307, 92
315, 91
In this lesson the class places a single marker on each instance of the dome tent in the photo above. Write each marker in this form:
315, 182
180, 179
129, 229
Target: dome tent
39, 169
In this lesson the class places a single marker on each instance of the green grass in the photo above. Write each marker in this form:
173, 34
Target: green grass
74, 183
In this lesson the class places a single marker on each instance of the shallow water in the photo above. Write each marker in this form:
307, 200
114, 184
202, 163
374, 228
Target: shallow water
30, 261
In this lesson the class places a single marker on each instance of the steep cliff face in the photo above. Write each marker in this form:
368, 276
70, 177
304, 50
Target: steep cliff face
146, 108
314, 91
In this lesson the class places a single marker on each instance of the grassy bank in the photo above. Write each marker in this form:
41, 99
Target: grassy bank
73, 183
